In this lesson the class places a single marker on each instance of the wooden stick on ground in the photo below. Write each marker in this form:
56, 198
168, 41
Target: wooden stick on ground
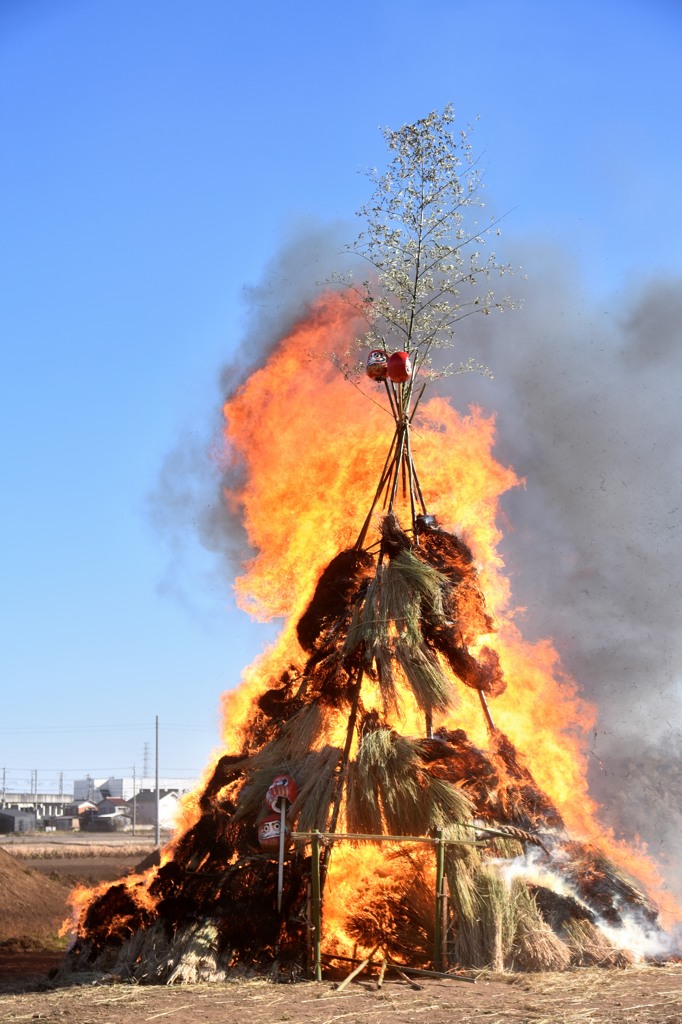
410, 982
361, 966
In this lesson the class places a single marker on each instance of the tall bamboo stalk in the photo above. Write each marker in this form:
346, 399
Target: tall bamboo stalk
440, 893
316, 906
343, 769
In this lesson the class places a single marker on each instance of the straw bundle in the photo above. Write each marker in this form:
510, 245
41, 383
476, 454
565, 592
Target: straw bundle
327, 680
535, 947
603, 887
316, 777
333, 595
227, 771
485, 922
431, 688
195, 956
408, 576
387, 787
454, 560
399, 916
404, 594
589, 947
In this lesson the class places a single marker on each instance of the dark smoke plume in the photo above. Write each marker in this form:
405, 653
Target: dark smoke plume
587, 397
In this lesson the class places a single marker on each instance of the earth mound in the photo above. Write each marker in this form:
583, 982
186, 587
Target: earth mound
32, 906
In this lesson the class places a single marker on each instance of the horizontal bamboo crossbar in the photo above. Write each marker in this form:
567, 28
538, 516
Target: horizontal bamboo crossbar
429, 840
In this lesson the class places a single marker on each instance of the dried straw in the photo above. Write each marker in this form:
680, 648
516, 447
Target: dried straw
195, 956
485, 914
589, 947
536, 947
399, 915
315, 776
387, 786
431, 688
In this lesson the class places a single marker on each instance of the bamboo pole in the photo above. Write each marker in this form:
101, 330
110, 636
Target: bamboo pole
410, 476
444, 925
375, 837
407, 970
486, 712
415, 480
398, 461
343, 768
361, 966
310, 935
316, 906
282, 842
383, 480
390, 391
440, 875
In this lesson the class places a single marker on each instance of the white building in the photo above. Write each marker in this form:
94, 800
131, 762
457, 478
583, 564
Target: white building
97, 790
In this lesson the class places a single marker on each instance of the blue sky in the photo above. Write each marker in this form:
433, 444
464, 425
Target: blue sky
155, 158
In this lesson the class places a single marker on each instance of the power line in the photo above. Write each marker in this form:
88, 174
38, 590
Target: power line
19, 729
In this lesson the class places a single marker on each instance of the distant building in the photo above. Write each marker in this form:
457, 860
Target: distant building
110, 815
145, 807
112, 805
12, 820
70, 820
124, 788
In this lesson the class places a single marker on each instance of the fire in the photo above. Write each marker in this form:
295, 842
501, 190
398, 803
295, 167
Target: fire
306, 445
309, 446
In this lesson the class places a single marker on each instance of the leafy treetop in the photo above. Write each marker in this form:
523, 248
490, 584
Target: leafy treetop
428, 263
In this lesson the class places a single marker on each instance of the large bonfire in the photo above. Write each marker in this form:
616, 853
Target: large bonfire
400, 700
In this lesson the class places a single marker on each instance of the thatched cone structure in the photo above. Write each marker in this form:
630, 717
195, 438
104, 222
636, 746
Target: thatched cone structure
382, 628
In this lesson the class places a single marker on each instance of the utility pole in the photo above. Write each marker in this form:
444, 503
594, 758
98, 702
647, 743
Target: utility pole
145, 764
157, 829
134, 800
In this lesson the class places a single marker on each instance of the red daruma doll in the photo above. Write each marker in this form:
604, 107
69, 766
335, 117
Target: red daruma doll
399, 367
269, 832
376, 364
281, 788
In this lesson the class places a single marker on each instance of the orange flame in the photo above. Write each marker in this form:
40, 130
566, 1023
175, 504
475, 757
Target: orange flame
310, 446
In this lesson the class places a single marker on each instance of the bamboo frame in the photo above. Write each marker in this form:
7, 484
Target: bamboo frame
401, 969
399, 461
321, 842
330, 837
318, 871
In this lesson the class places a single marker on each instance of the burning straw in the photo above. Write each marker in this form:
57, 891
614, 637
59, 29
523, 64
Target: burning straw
328, 758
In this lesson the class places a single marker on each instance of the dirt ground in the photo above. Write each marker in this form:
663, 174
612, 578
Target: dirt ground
650, 995
638, 995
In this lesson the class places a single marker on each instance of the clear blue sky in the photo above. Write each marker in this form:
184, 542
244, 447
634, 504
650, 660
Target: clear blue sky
155, 156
